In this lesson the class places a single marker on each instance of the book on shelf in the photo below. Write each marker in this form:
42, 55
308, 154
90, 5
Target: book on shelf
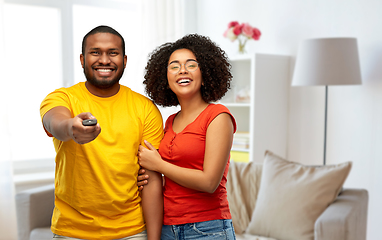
240, 140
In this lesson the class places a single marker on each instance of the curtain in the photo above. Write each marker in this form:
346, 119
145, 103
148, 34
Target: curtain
7, 201
163, 21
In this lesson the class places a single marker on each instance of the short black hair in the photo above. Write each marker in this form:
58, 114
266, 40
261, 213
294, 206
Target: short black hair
213, 63
103, 29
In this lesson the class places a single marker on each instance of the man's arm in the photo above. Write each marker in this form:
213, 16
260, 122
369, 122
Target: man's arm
61, 125
152, 204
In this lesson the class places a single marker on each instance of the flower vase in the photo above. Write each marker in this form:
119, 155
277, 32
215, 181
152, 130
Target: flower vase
242, 46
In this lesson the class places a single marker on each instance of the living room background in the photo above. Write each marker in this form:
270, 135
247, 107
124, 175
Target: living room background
354, 113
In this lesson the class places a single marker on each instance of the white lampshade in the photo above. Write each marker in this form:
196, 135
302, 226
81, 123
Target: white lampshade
327, 61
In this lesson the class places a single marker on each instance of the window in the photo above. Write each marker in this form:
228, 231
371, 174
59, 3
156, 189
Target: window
33, 69
42, 41
125, 22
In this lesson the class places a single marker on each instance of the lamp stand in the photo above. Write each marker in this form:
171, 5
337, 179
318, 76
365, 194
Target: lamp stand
326, 120
327, 62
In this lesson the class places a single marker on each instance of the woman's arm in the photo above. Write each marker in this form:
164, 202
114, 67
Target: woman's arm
152, 205
218, 145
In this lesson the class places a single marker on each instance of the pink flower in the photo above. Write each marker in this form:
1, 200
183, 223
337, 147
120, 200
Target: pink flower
232, 24
256, 34
230, 34
247, 30
237, 29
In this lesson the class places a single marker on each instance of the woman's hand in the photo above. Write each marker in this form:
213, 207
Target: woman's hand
149, 158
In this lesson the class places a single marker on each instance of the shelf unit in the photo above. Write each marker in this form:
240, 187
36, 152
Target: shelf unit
258, 99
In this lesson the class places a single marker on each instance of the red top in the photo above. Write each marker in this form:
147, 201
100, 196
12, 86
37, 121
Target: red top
186, 149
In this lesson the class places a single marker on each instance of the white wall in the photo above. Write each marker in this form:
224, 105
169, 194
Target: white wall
354, 112
7, 204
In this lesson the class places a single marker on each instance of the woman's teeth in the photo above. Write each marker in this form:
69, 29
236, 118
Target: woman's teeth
184, 81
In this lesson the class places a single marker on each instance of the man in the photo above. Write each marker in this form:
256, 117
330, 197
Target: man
96, 193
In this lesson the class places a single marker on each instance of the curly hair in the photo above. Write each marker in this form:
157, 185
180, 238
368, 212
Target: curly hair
213, 63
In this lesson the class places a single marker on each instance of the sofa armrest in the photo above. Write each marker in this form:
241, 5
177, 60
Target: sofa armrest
345, 218
34, 208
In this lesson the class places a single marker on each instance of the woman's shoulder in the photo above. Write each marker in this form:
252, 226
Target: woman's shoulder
218, 108
170, 120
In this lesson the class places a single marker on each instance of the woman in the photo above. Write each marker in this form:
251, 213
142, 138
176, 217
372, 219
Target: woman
194, 153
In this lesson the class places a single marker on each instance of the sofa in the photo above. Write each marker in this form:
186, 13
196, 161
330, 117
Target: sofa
284, 200
274, 213
34, 208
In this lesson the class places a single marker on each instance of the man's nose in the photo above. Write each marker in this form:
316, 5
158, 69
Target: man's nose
104, 58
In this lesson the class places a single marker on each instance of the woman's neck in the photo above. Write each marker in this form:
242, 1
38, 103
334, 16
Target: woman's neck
190, 108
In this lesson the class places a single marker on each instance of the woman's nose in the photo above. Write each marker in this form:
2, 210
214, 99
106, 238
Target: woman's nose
183, 68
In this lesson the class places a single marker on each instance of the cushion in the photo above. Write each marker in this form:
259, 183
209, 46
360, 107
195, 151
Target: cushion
251, 237
243, 183
292, 196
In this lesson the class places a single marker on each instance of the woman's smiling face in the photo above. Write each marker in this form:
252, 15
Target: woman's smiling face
184, 83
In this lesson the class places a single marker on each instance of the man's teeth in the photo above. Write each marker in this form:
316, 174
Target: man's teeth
184, 81
104, 70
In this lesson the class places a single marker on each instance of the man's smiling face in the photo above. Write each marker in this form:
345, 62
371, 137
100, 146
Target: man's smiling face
103, 62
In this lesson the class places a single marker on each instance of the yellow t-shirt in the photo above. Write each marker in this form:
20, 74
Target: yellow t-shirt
96, 183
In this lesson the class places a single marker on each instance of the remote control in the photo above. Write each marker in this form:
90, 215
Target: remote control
89, 122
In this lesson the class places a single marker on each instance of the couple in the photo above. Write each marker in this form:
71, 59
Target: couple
96, 190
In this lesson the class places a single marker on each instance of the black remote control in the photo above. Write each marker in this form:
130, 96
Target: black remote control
89, 122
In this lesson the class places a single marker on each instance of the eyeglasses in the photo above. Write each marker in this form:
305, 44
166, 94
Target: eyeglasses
175, 67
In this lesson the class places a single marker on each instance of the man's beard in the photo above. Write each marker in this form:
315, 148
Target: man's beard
99, 83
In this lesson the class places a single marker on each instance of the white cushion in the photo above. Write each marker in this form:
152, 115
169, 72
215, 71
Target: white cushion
292, 196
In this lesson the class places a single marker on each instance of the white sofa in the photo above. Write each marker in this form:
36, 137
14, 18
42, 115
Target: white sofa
343, 219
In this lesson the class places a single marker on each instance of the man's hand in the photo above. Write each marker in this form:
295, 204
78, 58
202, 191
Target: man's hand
142, 179
59, 122
83, 134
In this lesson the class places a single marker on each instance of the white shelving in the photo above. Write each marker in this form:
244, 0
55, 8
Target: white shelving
258, 100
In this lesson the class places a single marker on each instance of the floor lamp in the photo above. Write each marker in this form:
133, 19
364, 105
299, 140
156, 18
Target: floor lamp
327, 61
